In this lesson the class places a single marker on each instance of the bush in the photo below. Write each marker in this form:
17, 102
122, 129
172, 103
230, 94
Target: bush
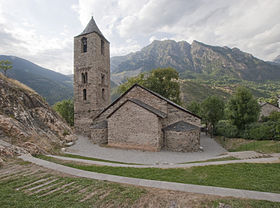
227, 129
65, 108
260, 131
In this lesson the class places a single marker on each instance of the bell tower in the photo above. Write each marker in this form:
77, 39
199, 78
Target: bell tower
91, 76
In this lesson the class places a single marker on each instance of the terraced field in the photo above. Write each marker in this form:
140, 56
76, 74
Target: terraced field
38, 187
24, 185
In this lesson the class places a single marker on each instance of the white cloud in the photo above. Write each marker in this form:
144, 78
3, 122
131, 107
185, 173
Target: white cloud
42, 31
22, 34
243, 24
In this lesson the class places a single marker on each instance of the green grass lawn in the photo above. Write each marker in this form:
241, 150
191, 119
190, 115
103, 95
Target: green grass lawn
95, 159
258, 177
116, 162
237, 144
213, 160
107, 194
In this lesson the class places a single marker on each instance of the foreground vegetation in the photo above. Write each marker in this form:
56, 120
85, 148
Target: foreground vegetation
257, 177
95, 159
237, 144
17, 191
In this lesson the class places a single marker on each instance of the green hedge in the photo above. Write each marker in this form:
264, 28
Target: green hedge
227, 129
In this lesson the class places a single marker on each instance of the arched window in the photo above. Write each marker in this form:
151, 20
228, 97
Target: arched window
84, 94
84, 44
84, 78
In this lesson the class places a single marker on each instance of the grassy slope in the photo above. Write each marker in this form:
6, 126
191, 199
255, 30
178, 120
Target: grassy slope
264, 146
95, 159
195, 91
258, 177
110, 195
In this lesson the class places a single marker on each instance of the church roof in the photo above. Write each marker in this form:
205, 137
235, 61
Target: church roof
263, 104
143, 105
92, 28
152, 92
180, 126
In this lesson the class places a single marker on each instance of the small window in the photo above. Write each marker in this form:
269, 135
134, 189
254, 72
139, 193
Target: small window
84, 94
103, 94
84, 44
102, 47
102, 79
84, 78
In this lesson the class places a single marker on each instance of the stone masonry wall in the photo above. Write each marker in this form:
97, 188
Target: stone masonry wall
188, 141
133, 127
267, 109
175, 114
140, 94
99, 136
96, 65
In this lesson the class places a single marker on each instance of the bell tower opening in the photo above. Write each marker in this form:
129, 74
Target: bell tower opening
84, 94
84, 44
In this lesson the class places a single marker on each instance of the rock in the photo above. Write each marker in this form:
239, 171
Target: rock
69, 144
70, 138
1, 162
222, 205
33, 149
26, 116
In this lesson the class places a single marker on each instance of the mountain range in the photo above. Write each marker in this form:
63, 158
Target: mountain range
51, 85
204, 70
193, 61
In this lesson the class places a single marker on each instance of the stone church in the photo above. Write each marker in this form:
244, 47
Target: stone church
138, 119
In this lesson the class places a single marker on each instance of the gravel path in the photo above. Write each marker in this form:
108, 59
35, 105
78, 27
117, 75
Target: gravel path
84, 147
157, 184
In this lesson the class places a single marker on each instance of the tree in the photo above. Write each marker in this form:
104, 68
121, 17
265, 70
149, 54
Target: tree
243, 108
163, 81
195, 108
66, 109
5, 65
212, 111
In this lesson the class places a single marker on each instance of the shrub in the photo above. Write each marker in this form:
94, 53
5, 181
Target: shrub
226, 128
274, 116
260, 131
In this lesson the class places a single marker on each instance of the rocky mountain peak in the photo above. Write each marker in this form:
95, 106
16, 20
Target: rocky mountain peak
197, 59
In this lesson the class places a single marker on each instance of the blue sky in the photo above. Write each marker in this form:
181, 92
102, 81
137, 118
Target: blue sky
42, 31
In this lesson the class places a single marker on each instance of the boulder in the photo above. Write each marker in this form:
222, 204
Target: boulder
70, 138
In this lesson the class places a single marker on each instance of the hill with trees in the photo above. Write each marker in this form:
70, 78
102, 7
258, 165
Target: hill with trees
51, 85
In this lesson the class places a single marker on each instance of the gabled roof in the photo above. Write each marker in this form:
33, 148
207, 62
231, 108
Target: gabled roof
269, 104
91, 28
180, 126
156, 94
143, 105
